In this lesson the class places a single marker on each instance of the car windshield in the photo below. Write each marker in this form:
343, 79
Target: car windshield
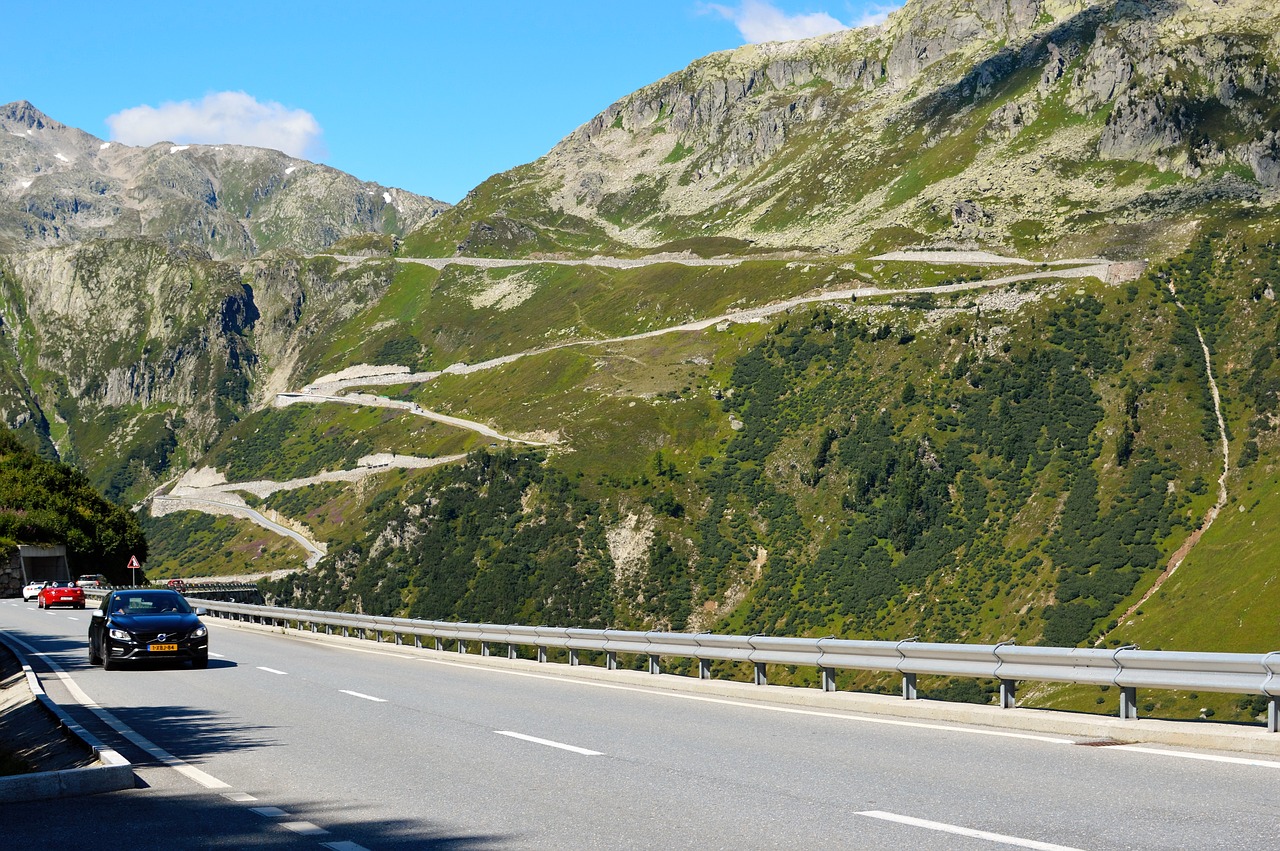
149, 603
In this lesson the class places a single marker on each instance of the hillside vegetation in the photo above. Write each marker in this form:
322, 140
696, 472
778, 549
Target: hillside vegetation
752, 413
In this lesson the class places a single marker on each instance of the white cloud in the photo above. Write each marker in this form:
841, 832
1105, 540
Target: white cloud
874, 15
234, 118
759, 21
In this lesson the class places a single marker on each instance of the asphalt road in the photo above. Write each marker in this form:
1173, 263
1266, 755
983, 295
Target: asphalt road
376, 747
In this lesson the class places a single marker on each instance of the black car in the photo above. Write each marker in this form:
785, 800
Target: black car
155, 624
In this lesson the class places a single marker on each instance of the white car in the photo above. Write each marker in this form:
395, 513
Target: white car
32, 590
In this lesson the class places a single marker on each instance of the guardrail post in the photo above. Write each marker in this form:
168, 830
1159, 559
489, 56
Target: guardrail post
1008, 688
484, 648
1128, 694
573, 657
828, 678
760, 678
655, 666
1128, 703
610, 660
542, 654
462, 646
909, 687
704, 669
417, 641
511, 651
439, 644
1273, 715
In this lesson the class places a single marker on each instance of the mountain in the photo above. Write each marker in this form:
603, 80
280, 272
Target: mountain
60, 185
809, 338
1031, 125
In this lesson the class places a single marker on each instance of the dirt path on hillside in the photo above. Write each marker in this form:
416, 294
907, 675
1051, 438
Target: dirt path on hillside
206, 490
1175, 561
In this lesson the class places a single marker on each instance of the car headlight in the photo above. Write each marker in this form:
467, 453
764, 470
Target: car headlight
199, 632
121, 635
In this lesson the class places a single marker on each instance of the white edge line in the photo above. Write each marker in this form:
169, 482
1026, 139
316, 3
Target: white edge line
362, 696
561, 745
204, 779
966, 831
1207, 757
846, 715
849, 715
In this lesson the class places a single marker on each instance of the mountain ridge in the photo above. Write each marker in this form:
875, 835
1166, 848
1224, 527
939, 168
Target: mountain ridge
63, 185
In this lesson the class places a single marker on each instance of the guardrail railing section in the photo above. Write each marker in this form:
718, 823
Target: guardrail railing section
1127, 668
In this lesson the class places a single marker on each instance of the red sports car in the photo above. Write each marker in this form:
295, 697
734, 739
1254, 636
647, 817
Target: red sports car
61, 594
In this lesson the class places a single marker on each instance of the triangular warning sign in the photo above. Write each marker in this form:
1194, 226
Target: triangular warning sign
133, 563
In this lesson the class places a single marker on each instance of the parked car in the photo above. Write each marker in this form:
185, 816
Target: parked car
91, 580
147, 624
32, 590
60, 594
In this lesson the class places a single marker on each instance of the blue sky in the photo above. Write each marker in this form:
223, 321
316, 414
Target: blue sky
430, 96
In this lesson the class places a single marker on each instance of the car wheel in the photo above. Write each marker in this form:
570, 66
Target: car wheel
200, 661
94, 658
109, 664
81, 606
39, 604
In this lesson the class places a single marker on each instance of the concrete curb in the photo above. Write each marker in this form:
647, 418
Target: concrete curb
113, 773
1199, 735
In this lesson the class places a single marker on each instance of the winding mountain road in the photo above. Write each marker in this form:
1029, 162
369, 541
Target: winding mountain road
219, 497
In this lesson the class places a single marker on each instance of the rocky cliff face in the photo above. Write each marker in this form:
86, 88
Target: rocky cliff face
60, 185
1003, 105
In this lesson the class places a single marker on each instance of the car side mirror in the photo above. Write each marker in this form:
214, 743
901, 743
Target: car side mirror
96, 613
201, 612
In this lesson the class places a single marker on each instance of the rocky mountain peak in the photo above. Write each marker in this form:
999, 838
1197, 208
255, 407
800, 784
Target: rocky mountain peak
21, 115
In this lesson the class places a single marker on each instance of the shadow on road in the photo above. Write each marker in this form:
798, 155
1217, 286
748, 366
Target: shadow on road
153, 820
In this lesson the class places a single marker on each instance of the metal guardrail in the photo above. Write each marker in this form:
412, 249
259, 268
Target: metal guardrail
1127, 668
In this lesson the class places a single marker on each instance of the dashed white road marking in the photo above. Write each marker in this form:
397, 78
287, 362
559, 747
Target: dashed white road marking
216, 655
561, 745
966, 831
239, 797
273, 671
268, 812
304, 828
72, 618
362, 696
343, 846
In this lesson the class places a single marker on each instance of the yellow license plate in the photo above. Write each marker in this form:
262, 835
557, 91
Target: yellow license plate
162, 648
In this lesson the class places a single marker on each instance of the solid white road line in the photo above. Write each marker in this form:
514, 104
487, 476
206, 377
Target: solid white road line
1207, 757
965, 831
272, 671
851, 715
206, 780
362, 696
548, 743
